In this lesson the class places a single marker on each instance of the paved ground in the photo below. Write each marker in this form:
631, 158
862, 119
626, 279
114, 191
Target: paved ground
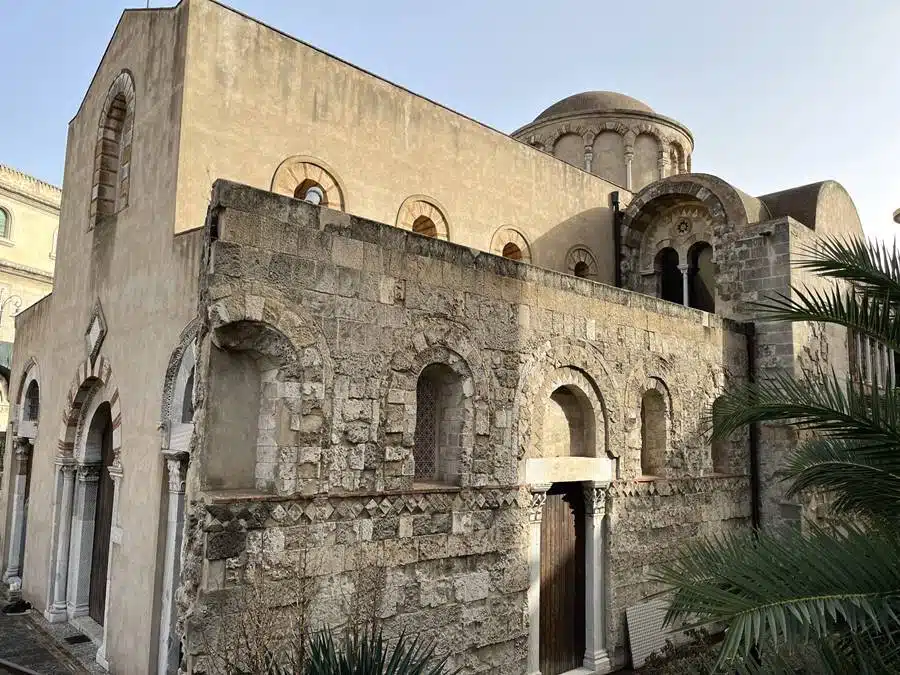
25, 643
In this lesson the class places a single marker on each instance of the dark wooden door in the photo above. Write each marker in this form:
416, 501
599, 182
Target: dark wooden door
102, 527
562, 580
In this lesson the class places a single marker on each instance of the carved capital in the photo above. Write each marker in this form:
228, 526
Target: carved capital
595, 499
538, 499
67, 469
176, 467
22, 447
89, 473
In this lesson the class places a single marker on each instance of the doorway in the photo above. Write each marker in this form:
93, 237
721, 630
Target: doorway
102, 518
562, 606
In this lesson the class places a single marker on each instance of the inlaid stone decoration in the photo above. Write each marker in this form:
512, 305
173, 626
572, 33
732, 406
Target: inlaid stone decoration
95, 333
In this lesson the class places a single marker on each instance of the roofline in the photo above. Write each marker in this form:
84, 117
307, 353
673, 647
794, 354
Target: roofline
606, 112
370, 73
133, 10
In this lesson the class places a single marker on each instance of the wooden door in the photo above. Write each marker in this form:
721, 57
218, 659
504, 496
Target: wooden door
562, 580
102, 527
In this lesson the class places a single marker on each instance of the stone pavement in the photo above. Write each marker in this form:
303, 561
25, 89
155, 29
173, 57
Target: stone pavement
25, 643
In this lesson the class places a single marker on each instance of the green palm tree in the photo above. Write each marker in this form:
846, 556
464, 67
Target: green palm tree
826, 600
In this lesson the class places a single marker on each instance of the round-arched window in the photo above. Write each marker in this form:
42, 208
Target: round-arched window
512, 251
4, 224
311, 192
425, 226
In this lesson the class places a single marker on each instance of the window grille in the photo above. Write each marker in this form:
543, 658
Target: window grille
425, 449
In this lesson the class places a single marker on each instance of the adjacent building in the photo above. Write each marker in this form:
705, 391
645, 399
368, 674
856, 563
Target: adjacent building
392, 340
29, 219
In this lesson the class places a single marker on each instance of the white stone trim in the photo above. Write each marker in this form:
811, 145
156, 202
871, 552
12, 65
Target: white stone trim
596, 657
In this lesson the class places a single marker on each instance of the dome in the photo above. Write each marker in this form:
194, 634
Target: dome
594, 101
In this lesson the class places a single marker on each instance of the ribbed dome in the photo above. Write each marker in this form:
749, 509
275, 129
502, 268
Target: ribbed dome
594, 101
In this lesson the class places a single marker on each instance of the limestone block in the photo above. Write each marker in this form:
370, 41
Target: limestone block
472, 587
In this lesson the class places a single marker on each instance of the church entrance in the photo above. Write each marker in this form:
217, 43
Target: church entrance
562, 607
102, 520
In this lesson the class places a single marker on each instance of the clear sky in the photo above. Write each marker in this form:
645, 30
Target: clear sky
777, 93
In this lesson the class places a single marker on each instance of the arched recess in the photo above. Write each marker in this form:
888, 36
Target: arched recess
88, 486
669, 280
651, 428
580, 262
27, 419
569, 147
509, 242
701, 277
423, 215
310, 179
560, 362
176, 409
110, 189
276, 378
437, 388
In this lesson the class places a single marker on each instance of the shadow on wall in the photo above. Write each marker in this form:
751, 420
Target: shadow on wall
591, 229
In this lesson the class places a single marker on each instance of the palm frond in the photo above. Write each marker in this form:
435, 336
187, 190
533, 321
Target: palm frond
866, 415
867, 265
787, 588
863, 482
865, 312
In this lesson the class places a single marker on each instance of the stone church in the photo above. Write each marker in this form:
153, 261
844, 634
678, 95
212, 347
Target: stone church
304, 313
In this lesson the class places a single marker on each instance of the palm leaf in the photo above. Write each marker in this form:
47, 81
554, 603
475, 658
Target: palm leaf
786, 588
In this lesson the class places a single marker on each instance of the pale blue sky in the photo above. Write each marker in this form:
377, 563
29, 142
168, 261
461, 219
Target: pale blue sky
777, 93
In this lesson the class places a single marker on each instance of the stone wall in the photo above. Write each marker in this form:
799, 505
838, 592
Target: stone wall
341, 316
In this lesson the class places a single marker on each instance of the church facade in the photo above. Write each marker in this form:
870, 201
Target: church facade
390, 340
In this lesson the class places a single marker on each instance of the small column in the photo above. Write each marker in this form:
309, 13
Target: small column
84, 510
685, 285
13, 573
535, 513
629, 156
176, 466
115, 472
56, 613
661, 164
596, 658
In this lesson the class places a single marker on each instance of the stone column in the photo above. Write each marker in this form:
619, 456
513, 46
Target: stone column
629, 156
84, 510
535, 513
56, 613
115, 472
588, 158
596, 658
13, 573
661, 163
685, 285
176, 466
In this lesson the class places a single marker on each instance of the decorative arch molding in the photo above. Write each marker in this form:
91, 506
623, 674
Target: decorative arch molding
30, 373
506, 236
298, 169
681, 227
415, 207
112, 155
181, 355
295, 324
91, 383
581, 255
537, 375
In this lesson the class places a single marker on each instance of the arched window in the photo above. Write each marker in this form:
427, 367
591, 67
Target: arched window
187, 403
439, 425
32, 403
512, 251
310, 191
112, 155
653, 433
425, 226
701, 277
669, 281
508, 242
718, 449
568, 424
580, 262
4, 223
308, 179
